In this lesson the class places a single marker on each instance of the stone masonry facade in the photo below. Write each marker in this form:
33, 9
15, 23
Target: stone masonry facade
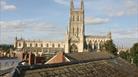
75, 40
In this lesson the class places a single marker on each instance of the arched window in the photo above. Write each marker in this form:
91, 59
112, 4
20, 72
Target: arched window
78, 18
30, 45
47, 45
25, 44
36, 45
73, 30
59, 45
95, 45
77, 30
19, 44
73, 48
90, 46
41, 45
73, 18
53, 45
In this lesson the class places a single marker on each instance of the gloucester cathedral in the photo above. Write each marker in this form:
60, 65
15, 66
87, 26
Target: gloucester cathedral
74, 41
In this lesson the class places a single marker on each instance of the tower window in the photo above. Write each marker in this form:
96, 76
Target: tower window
77, 30
78, 18
73, 18
73, 31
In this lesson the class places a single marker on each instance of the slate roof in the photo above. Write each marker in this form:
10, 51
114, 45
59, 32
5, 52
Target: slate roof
88, 56
90, 36
88, 67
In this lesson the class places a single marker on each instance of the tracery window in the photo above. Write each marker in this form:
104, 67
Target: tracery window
47, 45
19, 44
73, 30
53, 45
73, 18
41, 45
78, 18
30, 45
36, 45
59, 45
77, 30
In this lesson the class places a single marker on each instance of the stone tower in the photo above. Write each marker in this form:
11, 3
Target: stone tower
75, 34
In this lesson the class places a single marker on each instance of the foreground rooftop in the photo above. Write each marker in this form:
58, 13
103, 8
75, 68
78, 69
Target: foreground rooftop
108, 66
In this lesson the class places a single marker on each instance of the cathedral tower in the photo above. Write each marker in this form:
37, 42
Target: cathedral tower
75, 32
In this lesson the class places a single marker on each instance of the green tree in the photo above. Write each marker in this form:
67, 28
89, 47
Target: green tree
125, 55
110, 47
6, 48
134, 53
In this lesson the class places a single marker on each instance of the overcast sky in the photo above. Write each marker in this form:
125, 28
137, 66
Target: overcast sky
48, 19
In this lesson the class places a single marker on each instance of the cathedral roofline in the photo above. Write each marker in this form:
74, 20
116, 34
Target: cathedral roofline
95, 36
40, 40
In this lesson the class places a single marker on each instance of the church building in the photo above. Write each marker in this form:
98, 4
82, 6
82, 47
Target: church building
75, 40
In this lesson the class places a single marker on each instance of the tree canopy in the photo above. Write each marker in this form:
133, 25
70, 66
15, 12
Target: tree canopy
125, 55
134, 53
5, 47
110, 47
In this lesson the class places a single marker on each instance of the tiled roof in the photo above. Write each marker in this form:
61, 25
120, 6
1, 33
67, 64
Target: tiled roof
88, 56
115, 67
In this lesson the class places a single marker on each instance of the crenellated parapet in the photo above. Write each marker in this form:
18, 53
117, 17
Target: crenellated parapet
21, 43
97, 38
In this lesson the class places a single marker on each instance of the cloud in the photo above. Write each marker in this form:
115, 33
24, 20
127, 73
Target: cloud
125, 33
4, 6
109, 7
126, 7
63, 2
28, 25
117, 13
12, 25
132, 7
92, 20
125, 42
29, 29
125, 37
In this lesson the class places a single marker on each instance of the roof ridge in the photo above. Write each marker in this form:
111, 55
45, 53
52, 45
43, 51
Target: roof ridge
32, 67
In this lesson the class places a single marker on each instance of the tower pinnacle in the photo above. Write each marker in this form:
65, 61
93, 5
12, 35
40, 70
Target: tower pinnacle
82, 5
71, 4
110, 35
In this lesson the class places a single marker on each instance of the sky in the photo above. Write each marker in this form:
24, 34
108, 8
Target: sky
48, 19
